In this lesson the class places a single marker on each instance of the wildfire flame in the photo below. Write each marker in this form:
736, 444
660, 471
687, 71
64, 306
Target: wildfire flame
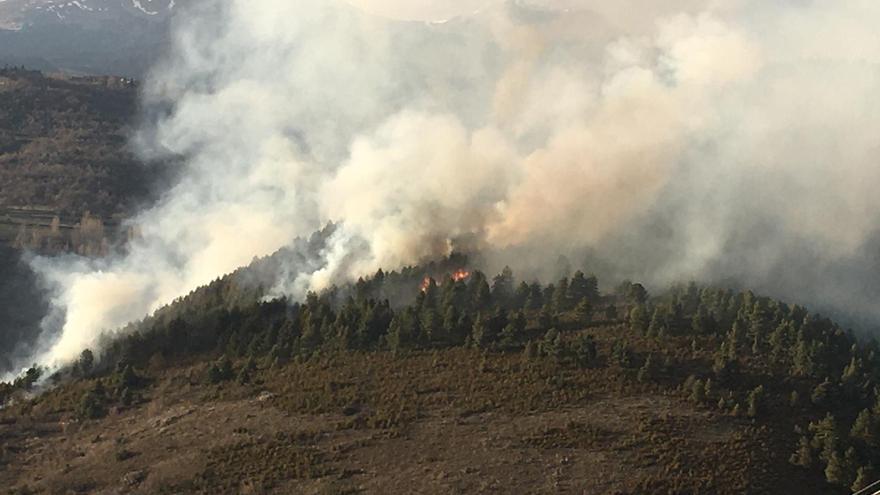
456, 276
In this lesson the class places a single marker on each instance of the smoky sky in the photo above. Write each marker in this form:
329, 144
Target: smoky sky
722, 141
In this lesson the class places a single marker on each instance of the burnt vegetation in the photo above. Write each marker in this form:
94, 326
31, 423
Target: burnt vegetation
789, 396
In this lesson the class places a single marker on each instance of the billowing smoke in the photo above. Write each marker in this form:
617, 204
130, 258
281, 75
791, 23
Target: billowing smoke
731, 140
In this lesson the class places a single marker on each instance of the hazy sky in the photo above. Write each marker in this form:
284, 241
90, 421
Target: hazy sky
625, 14
425, 10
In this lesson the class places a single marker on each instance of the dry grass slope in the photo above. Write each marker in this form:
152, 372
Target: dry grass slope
445, 421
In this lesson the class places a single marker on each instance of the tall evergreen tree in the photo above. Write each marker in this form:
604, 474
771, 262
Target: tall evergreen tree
865, 475
803, 456
582, 287
560, 297
755, 402
638, 319
584, 311
502, 288
865, 428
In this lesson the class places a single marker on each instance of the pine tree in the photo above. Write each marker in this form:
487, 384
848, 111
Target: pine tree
821, 392
92, 404
502, 288
560, 297
547, 319
221, 370
531, 350
585, 351
700, 322
279, 355
244, 375
698, 391
621, 353
756, 344
551, 345
835, 472
638, 319
758, 320
864, 428
584, 311
403, 333
521, 296
450, 325
85, 362
582, 287
509, 337
648, 371
483, 334
803, 456
454, 294
536, 297
876, 408
779, 341
465, 323
657, 327
734, 340
311, 338
637, 294
723, 366
802, 361
519, 321
126, 377
850, 466
432, 326
481, 295
675, 320
852, 372
755, 402
865, 475
430, 296
825, 437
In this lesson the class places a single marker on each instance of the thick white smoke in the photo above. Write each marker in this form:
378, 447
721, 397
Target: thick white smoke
704, 139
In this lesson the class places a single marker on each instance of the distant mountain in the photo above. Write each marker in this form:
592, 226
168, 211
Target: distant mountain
121, 37
19, 14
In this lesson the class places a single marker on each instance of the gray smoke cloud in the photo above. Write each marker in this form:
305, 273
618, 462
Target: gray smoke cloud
729, 140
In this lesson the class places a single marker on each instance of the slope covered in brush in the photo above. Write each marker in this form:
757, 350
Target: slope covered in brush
714, 391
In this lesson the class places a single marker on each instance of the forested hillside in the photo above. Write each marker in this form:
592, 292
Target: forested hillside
67, 177
440, 378
63, 145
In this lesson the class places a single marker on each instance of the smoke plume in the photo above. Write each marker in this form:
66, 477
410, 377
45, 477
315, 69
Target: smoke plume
719, 140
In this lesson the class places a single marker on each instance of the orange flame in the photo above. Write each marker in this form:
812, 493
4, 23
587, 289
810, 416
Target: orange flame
457, 276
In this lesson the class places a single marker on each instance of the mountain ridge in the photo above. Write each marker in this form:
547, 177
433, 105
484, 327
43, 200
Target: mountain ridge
120, 37
16, 15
